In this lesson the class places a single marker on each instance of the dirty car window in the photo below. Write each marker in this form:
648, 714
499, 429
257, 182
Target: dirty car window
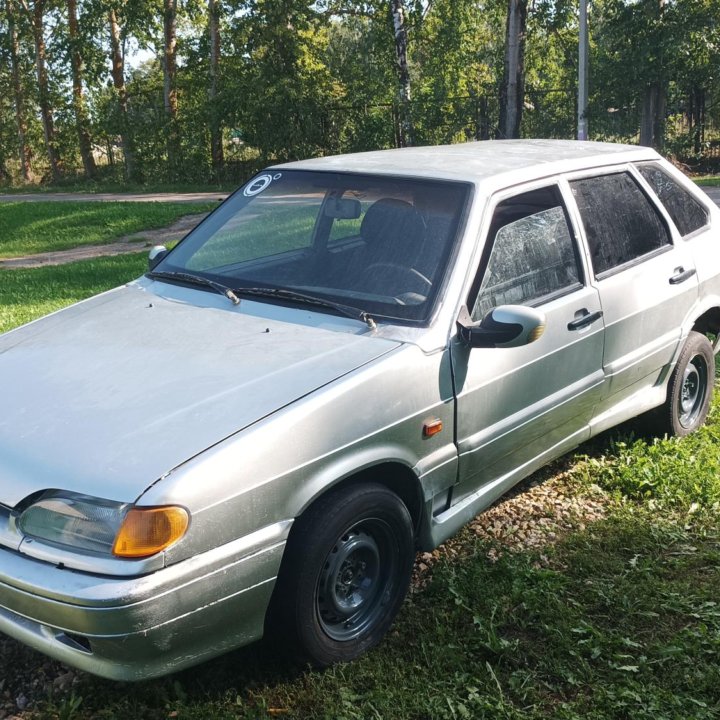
533, 254
686, 212
620, 223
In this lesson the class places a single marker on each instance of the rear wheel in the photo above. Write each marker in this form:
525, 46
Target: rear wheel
346, 572
689, 390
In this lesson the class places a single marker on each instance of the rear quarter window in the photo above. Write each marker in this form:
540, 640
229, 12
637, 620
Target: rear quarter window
686, 212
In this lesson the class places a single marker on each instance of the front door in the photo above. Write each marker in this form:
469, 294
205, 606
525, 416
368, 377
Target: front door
519, 407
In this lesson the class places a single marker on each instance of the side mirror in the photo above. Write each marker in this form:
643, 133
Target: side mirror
505, 326
156, 254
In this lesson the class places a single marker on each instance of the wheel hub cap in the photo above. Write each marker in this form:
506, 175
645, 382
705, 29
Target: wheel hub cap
692, 391
351, 584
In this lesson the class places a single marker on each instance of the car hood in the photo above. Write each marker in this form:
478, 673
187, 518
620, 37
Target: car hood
107, 396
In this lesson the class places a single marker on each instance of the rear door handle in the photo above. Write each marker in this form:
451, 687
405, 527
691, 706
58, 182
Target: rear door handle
681, 275
587, 319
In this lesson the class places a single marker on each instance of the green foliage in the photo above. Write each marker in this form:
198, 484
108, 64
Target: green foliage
299, 79
458, 52
638, 44
670, 474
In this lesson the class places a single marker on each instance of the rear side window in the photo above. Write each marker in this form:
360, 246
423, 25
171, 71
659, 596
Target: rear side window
620, 222
686, 212
533, 256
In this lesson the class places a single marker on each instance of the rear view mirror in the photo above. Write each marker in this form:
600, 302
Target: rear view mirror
505, 326
342, 208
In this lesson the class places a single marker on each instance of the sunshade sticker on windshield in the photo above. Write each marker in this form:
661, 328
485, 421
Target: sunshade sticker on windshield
259, 184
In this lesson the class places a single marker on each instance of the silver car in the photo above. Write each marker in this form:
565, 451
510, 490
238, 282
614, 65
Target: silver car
344, 363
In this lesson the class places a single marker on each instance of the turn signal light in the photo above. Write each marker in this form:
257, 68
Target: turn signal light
146, 531
432, 428
536, 333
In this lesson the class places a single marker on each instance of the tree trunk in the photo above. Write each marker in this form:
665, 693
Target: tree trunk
36, 14
216, 144
23, 148
170, 83
512, 94
659, 124
118, 76
652, 121
647, 116
79, 106
406, 134
699, 118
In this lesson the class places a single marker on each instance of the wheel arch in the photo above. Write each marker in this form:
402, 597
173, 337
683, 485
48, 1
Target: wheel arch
395, 475
708, 323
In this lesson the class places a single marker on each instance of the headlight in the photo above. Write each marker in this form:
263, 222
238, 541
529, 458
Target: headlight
79, 522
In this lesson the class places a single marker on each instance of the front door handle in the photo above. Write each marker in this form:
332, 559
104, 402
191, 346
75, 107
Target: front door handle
681, 275
587, 319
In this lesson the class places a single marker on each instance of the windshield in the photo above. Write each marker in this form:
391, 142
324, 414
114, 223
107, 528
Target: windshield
376, 243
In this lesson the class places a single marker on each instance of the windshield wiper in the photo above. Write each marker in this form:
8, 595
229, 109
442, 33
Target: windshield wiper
294, 295
282, 293
195, 280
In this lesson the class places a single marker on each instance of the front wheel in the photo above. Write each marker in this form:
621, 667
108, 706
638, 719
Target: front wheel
346, 572
690, 388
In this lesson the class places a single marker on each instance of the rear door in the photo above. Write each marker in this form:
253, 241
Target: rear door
520, 406
687, 208
647, 284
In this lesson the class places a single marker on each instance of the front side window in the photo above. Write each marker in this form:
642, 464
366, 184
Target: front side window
533, 256
620, 223
377, 244
686, 212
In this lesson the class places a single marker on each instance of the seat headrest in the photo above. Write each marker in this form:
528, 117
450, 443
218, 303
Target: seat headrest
393, 223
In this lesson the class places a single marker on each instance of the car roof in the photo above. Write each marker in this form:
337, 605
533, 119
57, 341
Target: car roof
491, 163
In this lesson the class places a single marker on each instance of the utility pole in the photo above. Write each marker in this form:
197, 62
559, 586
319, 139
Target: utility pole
582, 125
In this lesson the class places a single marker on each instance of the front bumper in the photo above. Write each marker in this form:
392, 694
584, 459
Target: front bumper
142, 627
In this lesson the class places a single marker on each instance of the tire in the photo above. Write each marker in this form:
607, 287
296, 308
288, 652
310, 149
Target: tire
689, 390
345, 573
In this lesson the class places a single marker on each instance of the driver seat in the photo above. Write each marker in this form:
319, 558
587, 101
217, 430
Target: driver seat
394, 233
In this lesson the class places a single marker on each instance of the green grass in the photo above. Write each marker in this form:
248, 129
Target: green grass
36, 227
619, 620
29, 294
712, 180
113, 186
276, 230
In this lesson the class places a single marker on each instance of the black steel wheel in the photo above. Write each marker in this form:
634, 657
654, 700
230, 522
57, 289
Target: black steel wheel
690, 388
345, 573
